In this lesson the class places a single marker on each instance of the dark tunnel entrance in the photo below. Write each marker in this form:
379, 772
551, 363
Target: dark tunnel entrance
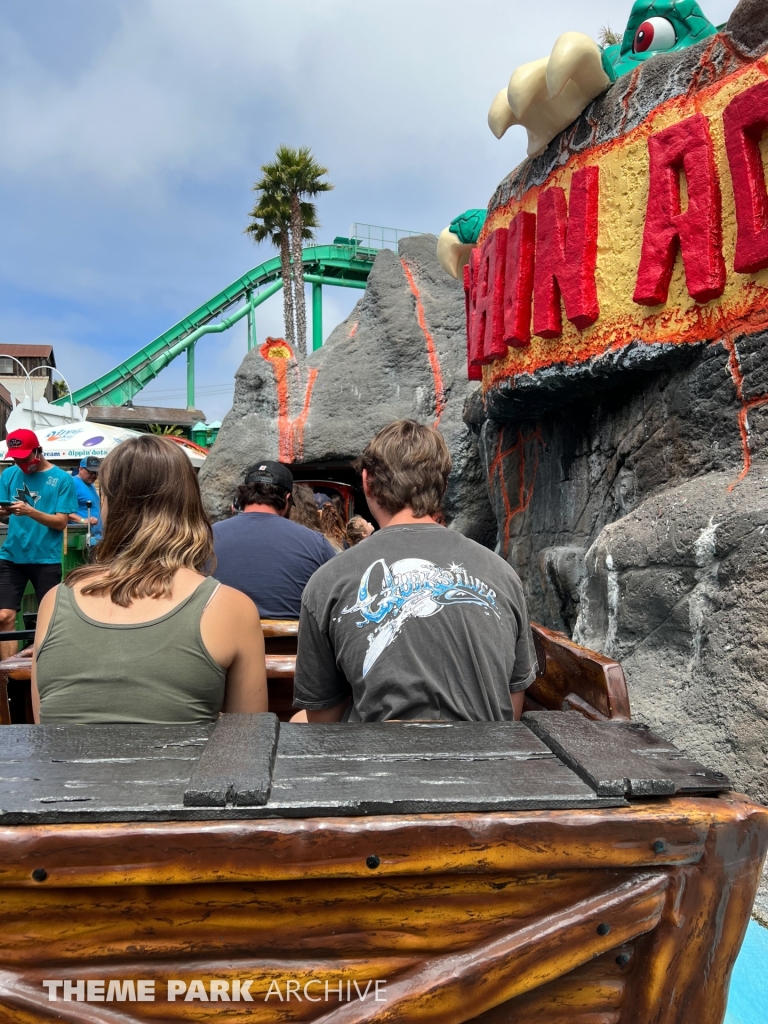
322, 475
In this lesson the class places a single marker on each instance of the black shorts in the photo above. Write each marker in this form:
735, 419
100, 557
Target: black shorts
14, 578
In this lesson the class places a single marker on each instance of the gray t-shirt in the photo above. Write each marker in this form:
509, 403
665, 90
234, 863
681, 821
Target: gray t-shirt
415, 622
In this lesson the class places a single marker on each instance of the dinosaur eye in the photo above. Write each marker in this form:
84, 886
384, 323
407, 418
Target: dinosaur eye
654, 34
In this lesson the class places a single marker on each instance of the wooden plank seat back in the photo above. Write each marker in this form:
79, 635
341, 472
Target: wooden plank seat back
280, 642
570, 677
574, 678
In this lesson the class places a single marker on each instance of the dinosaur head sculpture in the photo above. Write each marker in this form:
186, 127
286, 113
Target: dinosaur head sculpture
547, 95
656, 27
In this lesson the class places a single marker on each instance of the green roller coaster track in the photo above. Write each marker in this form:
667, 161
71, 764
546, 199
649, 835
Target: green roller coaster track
346, 263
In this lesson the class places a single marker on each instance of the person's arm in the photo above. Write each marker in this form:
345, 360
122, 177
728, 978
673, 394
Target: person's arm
334, 714
44, 613
518, 698
231, 631
75, 517
526, 662
54, 521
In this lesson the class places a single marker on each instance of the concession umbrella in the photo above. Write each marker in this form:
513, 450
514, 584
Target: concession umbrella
74, 440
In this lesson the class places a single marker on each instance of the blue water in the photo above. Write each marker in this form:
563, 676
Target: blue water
748, 996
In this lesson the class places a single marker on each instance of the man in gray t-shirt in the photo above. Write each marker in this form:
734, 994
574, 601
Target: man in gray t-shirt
417, 621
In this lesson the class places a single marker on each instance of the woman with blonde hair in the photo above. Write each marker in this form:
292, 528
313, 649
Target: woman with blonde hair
142, 634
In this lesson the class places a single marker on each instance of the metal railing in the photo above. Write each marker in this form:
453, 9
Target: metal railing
375, 236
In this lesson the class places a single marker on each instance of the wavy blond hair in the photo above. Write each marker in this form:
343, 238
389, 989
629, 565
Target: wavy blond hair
154, 523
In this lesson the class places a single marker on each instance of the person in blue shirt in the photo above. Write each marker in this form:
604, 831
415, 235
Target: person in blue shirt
262, 552
39, 498
86, 477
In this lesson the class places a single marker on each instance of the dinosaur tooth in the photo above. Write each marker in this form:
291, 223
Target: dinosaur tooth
577, 58
452, 254
501, 116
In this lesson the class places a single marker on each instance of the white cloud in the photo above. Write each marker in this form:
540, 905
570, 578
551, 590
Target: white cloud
125, 175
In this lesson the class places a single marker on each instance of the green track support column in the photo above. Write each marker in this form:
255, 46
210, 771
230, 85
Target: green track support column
191, 377
251, 322
317, 315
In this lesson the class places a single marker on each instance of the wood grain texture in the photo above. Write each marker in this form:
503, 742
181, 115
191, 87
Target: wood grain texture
280, 666
516, 963
280, 628
623, 758
689, 958
415, 767
566, 668
511, 944
152, 853
141, 772
510, 959
407, 916
591, 994
236, 764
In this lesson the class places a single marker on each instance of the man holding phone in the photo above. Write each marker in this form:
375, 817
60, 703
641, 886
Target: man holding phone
39, 498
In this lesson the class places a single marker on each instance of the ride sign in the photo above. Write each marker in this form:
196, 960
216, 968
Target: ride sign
657, 236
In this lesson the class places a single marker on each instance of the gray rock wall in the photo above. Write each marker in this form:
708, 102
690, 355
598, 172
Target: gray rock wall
400, 353
631, 491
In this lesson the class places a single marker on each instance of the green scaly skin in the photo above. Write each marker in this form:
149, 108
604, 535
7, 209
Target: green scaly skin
689, 21
468, 225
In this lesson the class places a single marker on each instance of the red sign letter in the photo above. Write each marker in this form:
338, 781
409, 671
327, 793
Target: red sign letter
745, 119
486, 313
518, 286
685, 147
474, 370
566, 255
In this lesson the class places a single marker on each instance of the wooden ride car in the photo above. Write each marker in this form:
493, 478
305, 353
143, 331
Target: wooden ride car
572, 868
557, 870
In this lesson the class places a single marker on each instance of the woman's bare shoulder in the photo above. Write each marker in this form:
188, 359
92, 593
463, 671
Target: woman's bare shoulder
48, 601
236, 602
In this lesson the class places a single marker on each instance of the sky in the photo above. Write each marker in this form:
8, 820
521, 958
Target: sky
131, 132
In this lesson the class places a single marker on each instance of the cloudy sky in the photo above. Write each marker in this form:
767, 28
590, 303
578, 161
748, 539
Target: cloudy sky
131, 132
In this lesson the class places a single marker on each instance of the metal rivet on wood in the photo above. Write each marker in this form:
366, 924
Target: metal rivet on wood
603, 929
372, 862
39, 874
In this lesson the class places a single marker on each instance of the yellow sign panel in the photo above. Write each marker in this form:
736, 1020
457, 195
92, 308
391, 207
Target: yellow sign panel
623, 166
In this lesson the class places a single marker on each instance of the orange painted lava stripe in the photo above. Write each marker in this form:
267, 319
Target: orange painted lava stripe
300, 421
434, 360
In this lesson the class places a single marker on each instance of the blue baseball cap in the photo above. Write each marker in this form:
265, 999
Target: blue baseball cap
91, 463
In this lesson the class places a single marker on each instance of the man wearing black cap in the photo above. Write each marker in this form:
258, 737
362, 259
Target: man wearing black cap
262, 552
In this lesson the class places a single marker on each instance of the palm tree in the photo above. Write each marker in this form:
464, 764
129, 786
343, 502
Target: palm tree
270, 219
293, 175
301, 177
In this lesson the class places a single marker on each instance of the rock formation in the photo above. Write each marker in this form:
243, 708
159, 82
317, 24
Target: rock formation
627, 459
400, 353
626, 462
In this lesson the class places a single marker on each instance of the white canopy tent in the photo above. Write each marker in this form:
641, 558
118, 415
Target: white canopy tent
66, 434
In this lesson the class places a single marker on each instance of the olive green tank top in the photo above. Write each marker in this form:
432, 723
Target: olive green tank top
152, 673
